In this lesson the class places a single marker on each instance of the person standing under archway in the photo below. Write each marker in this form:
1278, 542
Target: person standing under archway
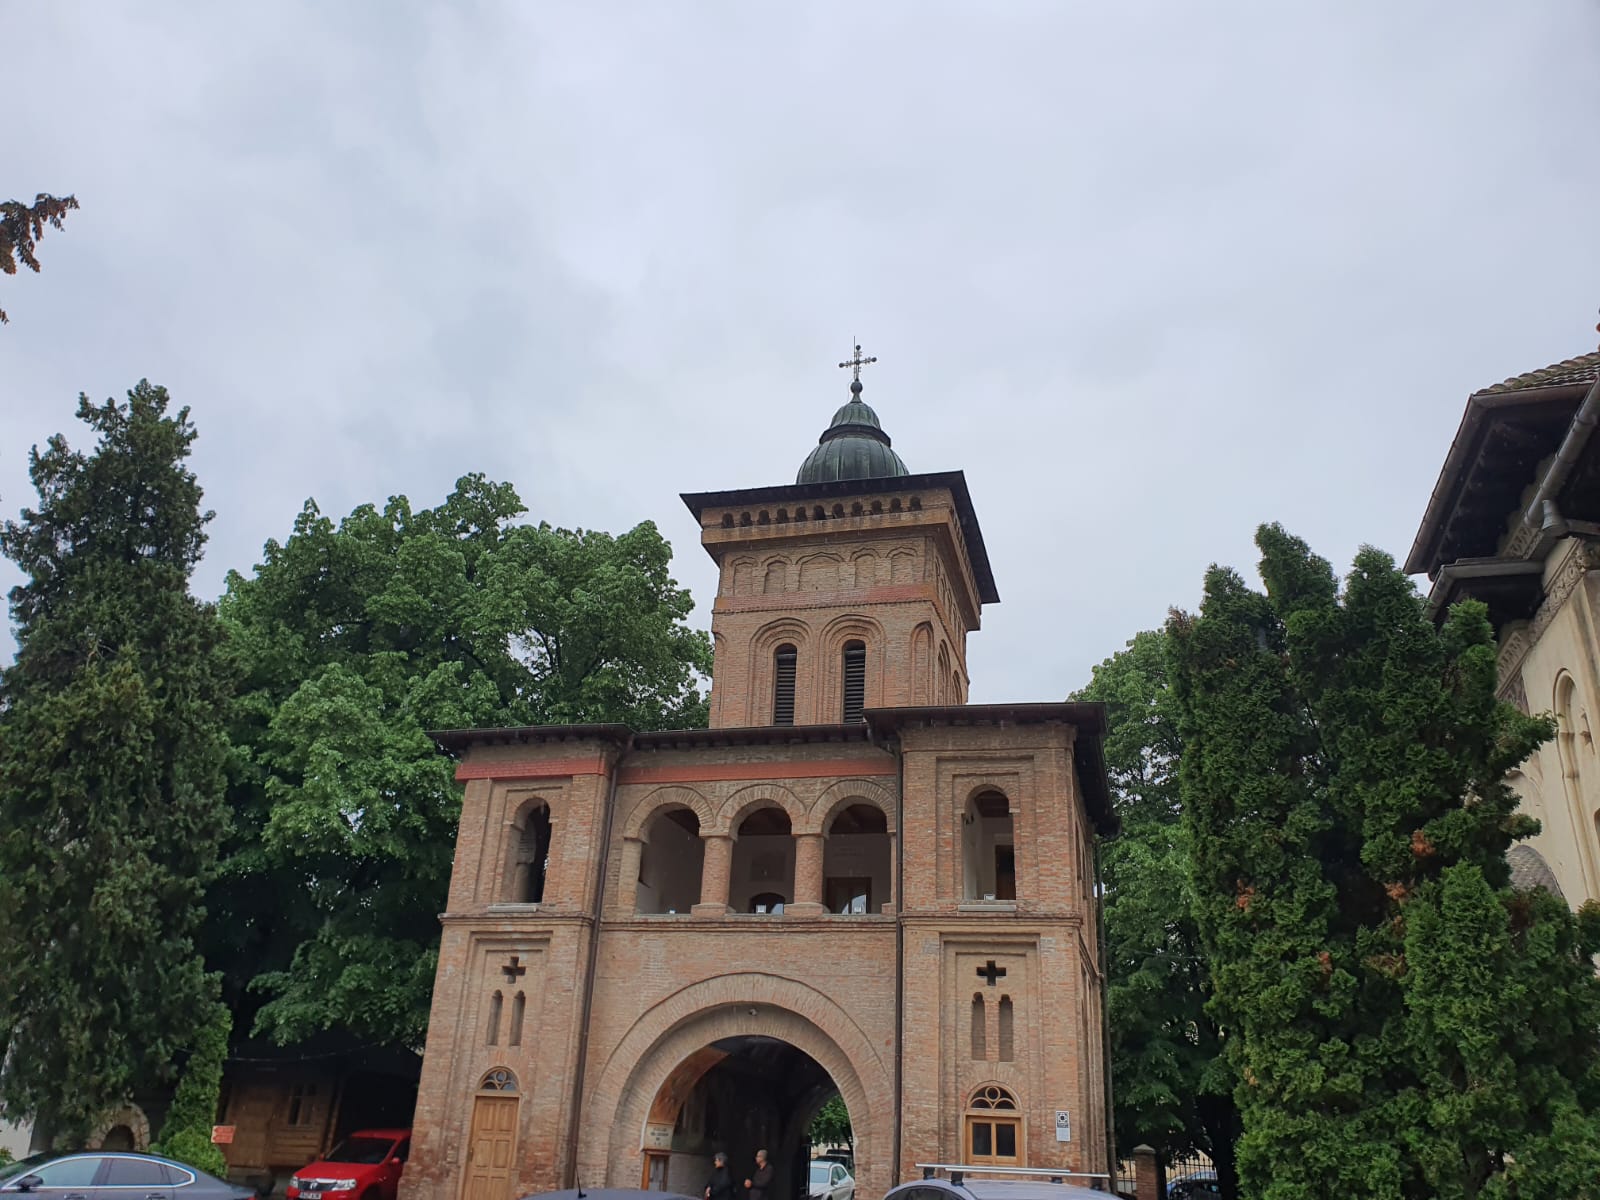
761, 1181
720, 1185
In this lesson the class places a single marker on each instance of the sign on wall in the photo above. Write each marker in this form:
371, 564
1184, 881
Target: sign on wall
1063, 1125
657, 1137
222, 1135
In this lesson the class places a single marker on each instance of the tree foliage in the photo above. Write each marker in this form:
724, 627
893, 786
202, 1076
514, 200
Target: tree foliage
831, 1125
112, 753
1171, 1085
22, 225
354, 640
1401, 1023
186, 1135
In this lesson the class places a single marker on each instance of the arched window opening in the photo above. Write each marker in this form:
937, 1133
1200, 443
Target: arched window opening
762, 873
989, 865
530, 856
784, 659
1006, 1029
519, 1006
727, 520
855, 682
670, 863
980, 1030
492, 1034
994, 1128
856, 860
498, 1080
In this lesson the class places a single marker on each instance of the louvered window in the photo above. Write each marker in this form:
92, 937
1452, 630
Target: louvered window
783, 686
855, 681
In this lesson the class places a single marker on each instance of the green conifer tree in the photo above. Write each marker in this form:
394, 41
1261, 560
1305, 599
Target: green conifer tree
1402, 1023
111, 768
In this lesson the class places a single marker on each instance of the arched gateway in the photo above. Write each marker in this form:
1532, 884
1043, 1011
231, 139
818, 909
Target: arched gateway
669, 944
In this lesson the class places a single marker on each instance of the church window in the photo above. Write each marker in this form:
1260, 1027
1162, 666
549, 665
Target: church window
761, 879
800, 513
519, 1006
767, 902
727, 520
916, 503
783, 670
894, 505
855, 682
783, 516
530, 856
819, 514
744, 518
994, 1128
877, 507
989, 864
838, 510
1007, 1030
496, 1005
980, 1032
855, 509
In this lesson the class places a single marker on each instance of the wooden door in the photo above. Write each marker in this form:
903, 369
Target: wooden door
491, 1148
992, 1140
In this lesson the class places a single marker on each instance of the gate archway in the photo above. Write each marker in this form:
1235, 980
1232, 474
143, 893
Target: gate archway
742, 1025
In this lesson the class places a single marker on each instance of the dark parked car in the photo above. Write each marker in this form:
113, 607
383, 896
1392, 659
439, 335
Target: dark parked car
113, 1175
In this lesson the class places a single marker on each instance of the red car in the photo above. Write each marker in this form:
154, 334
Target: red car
365, 1166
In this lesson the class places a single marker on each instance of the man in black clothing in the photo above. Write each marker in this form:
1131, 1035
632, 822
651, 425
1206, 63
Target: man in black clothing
758, 1183
720, 1185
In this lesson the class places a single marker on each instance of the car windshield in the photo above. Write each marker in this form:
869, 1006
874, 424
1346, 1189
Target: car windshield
360, 1150
819, 1174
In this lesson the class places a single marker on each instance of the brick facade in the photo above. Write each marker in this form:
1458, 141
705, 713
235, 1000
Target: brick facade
935, 959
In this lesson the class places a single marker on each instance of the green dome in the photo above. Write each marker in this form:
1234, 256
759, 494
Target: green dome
854, 446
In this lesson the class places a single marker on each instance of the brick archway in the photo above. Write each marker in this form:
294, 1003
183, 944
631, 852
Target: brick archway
733, 1006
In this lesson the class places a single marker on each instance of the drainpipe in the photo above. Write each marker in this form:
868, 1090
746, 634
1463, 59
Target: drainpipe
1105, 1020
1542, 513
570, 1174
899, 957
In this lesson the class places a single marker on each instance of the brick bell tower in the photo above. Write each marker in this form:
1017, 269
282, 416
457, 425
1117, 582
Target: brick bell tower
853, 588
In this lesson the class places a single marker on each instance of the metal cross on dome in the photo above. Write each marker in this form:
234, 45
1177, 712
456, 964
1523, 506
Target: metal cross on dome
856, 362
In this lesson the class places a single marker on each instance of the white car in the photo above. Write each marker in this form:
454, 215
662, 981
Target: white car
830, 1181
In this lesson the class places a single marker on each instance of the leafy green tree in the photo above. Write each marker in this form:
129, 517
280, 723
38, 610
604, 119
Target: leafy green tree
355, 640
186, 1135
112, 754
1173, 1088
22, 225
1401, 1022
831, 1125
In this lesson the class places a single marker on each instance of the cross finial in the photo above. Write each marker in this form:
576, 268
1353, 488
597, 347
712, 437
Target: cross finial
856, 362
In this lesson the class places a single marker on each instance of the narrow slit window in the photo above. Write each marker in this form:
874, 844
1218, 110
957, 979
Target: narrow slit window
783, 665
496, 1003
980, 1050
520, 1006
855, 681
1007, 1021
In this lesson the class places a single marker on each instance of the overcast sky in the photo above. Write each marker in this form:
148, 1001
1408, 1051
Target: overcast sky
1150, 274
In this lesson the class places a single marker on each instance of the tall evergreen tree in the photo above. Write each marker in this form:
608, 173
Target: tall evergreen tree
112, 754
1402, 1023
1172, 1086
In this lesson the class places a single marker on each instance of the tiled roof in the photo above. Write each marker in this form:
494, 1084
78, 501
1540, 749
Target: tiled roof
1583, 369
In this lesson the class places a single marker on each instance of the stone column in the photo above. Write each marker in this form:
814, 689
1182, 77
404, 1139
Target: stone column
1146, 1173
714, 875
808, 849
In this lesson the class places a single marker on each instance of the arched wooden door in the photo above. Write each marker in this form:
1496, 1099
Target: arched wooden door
492, 1144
